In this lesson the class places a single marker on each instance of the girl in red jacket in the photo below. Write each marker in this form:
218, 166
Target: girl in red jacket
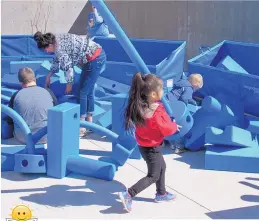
152, 124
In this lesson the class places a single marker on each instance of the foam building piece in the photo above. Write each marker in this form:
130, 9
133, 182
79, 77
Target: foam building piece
28, 163
11, 81
8, 155
230, 64
8, 91
6, 130
113, 86
182, 116
211, 114
231, 158
119, 103
15, 66
99, 91
63, 146
106, 105
92, 168
98, 113
106, 119
252, 124
192, 108
231, 135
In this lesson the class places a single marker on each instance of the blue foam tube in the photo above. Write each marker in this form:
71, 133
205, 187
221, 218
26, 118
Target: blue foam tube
92, 168
125, 42
39, 134
22, 124
100, 130
5, 98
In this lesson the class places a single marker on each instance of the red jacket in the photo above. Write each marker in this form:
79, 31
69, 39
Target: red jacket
156, 128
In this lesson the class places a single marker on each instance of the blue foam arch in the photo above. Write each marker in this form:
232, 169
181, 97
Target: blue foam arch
5, 98
24, 127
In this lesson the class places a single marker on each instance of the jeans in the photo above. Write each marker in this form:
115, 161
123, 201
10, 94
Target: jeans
90, 73
156, 171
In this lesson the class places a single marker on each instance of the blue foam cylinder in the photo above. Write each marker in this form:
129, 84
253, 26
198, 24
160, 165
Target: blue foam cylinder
91, 168
211, 104
39, 134
124, 41
29, 163
120, 154
5, 98
8, 91
23, 126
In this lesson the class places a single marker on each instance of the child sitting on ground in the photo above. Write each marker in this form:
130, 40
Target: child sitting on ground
183, 91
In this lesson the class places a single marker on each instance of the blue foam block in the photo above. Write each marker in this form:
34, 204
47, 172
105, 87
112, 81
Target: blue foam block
28, 163
113, 86
99, 91
8, 91
106, 119
8, 153
234, 159
230, 64
182, 116
15, 66
11, 81
6, 130
192, 108
91, 168
231, 135
120, 154
212, 114
252, 124
119, 103
106, 105
63, 137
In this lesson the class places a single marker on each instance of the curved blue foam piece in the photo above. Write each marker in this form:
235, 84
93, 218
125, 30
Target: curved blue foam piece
182, 116
231, 135
29, 163
8, 91
124, 41
211, 104
91, 168
120, 154
99, 130
23, 126
39, 134
210, 116
5, 98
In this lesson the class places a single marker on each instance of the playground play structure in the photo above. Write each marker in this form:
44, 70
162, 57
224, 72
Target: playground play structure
226, 123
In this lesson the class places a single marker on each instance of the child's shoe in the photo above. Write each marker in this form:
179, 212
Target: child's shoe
180, 150
126, 200
164, 198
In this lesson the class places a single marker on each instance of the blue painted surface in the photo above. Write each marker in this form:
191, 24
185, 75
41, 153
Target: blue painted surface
6, 130
15, 66
231, 135
63, 137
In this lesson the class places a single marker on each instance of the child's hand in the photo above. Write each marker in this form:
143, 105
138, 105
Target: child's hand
178, 127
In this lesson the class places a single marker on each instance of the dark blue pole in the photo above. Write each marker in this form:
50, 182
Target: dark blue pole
124, 41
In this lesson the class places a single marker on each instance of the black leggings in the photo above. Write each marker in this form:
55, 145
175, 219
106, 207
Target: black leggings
156, 171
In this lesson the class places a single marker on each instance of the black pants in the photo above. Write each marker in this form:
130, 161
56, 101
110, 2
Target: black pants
156, 171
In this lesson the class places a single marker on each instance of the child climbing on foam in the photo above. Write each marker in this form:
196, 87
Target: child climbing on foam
183, 91
152, 124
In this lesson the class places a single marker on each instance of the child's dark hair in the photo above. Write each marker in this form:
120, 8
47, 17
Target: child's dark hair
44, 40
142, 86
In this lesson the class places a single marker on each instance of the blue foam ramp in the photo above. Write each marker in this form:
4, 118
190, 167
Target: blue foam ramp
62, 143
15, 66
113, 86
8, 91
211, 114
182, 116
106, 119
231, 135
236, 159
6, 130
230, 64
92, 168
29, 163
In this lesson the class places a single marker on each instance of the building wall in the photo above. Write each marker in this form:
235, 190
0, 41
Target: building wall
197, 22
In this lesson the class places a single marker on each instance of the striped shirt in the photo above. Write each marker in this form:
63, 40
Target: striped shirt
70, 51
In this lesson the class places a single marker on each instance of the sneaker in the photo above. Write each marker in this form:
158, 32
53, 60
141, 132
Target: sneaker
82, 132
164, 198
180, 150
126, 200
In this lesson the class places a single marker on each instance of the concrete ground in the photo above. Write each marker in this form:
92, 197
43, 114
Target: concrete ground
200, 193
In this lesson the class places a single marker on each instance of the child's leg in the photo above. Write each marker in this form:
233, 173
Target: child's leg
160, 184
153, 157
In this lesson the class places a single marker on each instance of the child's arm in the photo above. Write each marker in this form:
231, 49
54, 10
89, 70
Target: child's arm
166, 126
187, 96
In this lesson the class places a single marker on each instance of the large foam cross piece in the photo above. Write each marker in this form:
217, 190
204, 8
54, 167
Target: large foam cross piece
125, 42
